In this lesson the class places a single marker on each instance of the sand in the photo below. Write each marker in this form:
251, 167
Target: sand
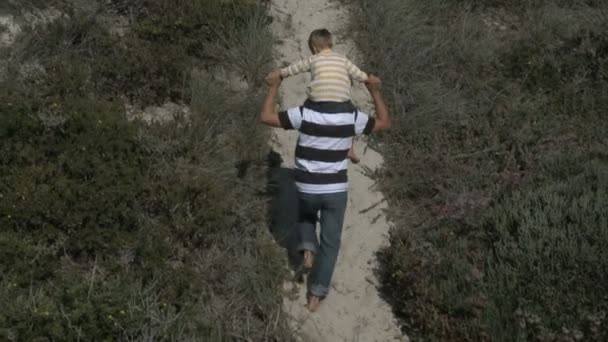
353, 310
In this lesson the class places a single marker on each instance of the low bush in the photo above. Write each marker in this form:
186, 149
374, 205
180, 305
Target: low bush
495, 166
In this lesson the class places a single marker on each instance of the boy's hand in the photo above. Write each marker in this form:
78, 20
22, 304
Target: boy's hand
274, 78
373, 83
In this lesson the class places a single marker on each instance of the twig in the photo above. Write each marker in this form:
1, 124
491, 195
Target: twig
92, 279
467, 155
240, 337
276, 321
363, 211
366, 171
70, 326
278, 9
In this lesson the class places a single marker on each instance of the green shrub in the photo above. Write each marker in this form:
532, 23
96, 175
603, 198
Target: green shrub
50, 170
547, 265
495, 159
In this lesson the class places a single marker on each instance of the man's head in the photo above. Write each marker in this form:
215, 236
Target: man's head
320, 40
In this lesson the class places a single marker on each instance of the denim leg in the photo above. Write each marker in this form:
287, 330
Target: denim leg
309, 206
332, 219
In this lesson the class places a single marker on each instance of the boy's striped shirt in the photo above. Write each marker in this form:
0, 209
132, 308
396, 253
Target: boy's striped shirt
332, 76
323, 142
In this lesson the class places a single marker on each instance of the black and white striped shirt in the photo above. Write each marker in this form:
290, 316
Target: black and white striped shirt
324, 140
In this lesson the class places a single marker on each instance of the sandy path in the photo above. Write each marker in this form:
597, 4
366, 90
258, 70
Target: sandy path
353, 311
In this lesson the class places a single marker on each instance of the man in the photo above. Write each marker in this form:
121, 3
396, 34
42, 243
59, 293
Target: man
325, 137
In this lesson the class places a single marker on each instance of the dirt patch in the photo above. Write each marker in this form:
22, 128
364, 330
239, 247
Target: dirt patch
9, 29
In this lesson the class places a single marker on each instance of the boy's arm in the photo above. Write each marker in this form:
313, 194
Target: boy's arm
356, 73
297, 68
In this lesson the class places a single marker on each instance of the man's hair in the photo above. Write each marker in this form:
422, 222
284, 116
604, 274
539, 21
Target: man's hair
320, 39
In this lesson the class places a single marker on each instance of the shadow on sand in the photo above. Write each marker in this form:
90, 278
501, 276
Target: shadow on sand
283, 208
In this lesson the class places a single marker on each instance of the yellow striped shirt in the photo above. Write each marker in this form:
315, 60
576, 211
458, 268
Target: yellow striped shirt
332, 76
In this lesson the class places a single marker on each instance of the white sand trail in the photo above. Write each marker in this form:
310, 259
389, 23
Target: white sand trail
353, 310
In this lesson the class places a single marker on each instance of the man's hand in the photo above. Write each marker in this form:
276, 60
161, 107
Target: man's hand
373, 83
269, 115
274, 78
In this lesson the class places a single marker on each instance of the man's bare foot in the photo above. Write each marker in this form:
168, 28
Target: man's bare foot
313, 303
308, 259
353, 157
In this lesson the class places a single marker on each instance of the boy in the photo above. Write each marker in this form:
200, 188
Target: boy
332, 74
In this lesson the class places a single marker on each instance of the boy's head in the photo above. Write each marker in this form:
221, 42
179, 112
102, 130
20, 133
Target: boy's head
320, 40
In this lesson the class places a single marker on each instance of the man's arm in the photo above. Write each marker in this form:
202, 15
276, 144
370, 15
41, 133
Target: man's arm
269, 114
382, 118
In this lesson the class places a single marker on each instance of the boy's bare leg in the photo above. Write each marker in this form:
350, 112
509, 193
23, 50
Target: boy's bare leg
352, 156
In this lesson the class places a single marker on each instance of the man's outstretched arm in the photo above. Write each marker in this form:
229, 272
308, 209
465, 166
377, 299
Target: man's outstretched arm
382, 118
269, 114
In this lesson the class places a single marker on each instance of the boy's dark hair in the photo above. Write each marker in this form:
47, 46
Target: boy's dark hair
320, 39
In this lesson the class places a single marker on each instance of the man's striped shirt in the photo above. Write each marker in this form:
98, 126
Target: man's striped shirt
323, 142
332, 76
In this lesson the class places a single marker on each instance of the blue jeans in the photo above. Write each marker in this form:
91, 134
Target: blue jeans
332, 208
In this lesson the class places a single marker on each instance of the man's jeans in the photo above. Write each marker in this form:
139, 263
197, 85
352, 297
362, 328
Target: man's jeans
332, 207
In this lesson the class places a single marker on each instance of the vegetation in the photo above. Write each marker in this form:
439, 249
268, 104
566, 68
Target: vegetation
496, 166
117, 230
